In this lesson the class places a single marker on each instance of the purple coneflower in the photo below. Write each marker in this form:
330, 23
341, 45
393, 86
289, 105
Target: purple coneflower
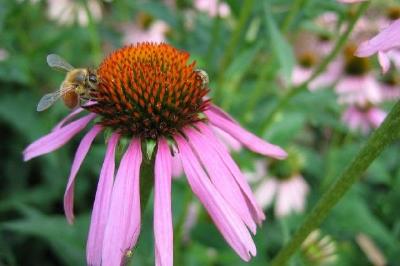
144, 29
363, 118
280, 183
67, 12
358, 84
213, 7
150, 93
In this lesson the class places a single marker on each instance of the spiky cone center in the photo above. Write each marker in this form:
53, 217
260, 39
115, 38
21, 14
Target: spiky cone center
148, 90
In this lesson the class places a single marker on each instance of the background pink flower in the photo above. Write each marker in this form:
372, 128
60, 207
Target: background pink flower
363, 118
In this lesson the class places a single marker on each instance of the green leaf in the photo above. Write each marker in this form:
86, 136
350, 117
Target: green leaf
67, 241
280, 46
352, 215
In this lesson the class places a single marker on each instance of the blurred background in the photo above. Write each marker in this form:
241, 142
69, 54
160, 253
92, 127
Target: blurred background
256, 53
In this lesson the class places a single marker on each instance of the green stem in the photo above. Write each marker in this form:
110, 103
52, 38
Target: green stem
380, 139
321, 68
233, 42
294, 10
146, 176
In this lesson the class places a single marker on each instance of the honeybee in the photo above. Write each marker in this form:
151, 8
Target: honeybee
75, 88
203, 76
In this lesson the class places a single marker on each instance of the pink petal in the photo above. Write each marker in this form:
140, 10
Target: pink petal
227, 221
383, 61
251, 141
284, 202
355, 119
257, 213
327, 78
385, 40
56, 139
67, 118
163, 231
221, 177
101, 205
123, 225
230, 142
80, 155
303, 189
190, 220
177, 169
359, 90
265, 192
291, 196
300, 74
376, 116
215, 109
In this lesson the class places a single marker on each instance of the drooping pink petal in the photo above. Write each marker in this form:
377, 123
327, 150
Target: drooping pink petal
291, 196
353, 118
390, 92
387, 39
359, 90
215, 109
213, 7
230, 142
384, 61
259, 173
177, 169
300, 74
265, 192
327, 78
163, 231
284, 199
56, 139
190, 220
227, 221
376, 116
223, 153
101, 205
123, 225
221, 177
251, 141
67, 118
79, 157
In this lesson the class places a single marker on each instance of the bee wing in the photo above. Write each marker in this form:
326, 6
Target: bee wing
57, 62
50, 98
47, 100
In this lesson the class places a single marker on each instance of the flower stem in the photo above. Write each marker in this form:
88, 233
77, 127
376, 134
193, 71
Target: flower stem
321, 68
380, 139
233, 42
146, 177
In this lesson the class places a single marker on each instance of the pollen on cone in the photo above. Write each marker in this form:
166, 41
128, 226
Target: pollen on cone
148, 90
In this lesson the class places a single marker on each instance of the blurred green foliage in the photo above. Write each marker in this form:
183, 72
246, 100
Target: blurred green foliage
33, 230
